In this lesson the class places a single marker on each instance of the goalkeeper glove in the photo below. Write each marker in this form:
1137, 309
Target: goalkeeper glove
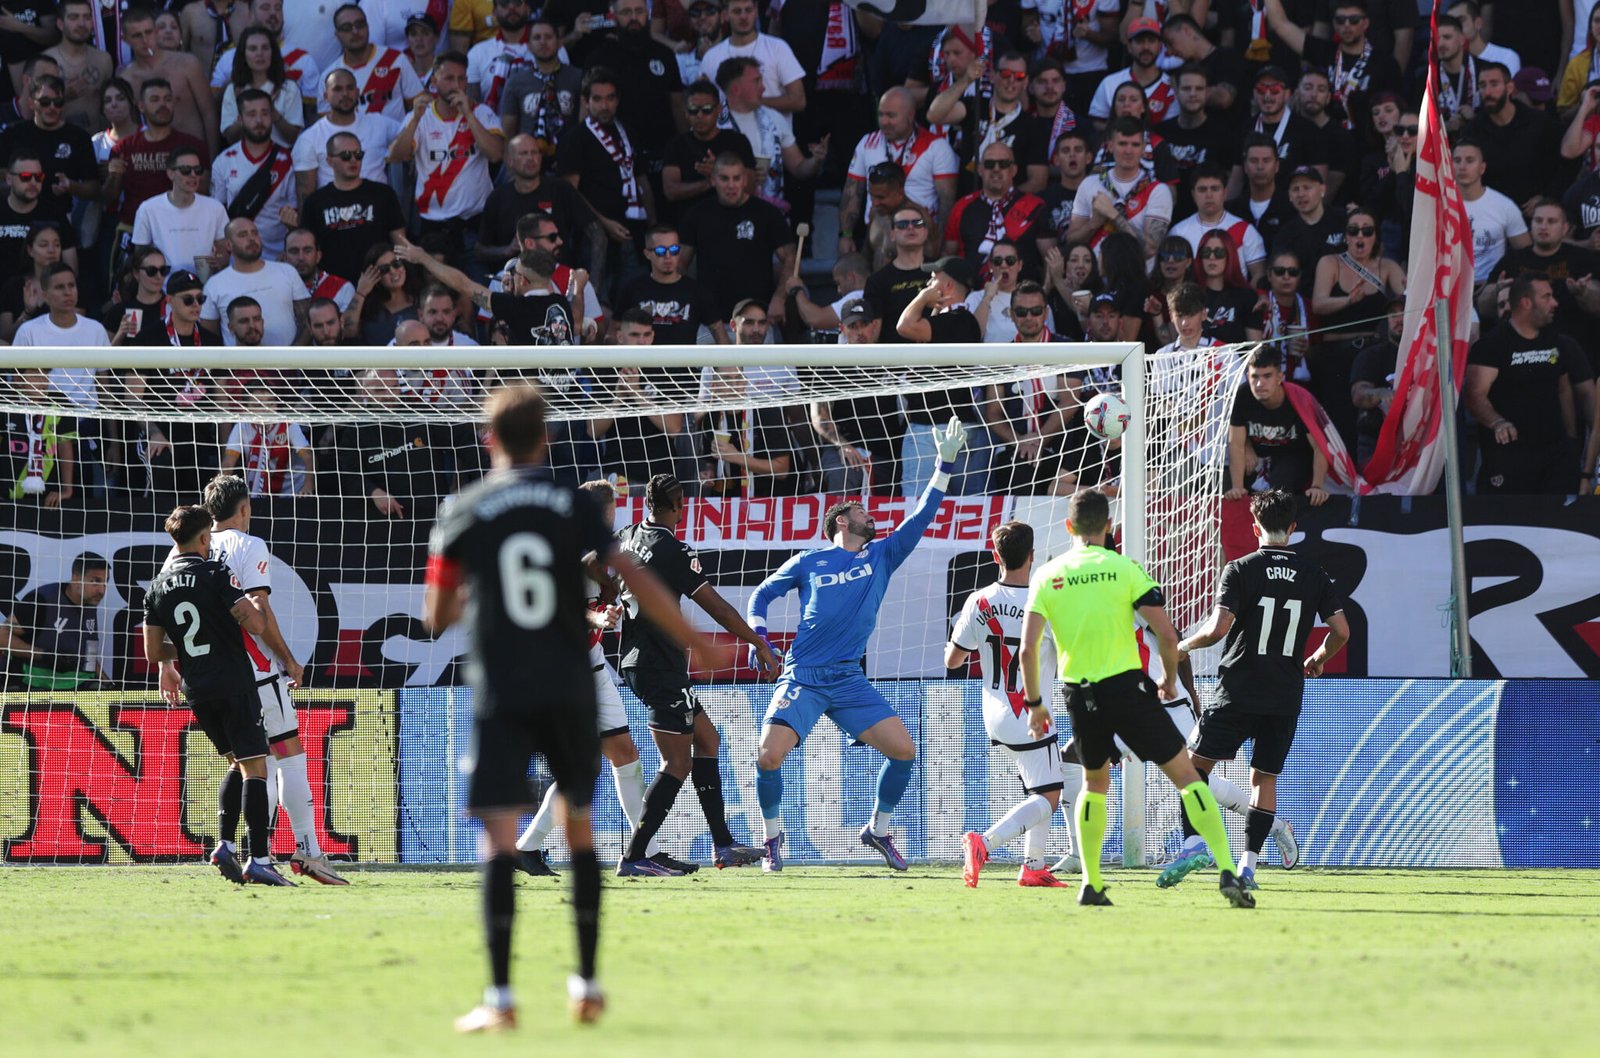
753, 657
950, 442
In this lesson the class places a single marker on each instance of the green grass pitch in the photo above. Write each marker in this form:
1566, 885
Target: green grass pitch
820, 961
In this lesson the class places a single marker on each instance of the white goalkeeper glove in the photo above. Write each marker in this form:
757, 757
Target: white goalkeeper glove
950, 442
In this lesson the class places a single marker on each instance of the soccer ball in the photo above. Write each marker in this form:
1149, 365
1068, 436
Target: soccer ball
1107, 416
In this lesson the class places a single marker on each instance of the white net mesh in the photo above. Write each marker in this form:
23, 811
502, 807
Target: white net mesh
348, 458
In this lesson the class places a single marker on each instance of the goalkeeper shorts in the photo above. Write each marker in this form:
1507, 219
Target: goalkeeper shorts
842, 693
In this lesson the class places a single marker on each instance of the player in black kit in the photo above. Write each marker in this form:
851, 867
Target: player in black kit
192, 615
513, 544
1265, 610
656, 670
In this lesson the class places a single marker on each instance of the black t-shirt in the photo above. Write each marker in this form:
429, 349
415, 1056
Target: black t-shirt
647, 72
1282, 446
416, 463
1025, 134
14, 229
1026, 220
534, 319
1310, 242
644, 646
1272, 218
1272, 595
1058, 208
349, 223
1212, 142
1522, 159
497, 225
14, 47
733, 248
1527, 389
677, 310
1568, 262
599, 177
192, 598
685, 150
637, 448
934, 408
1374, 364
870, 421
64, 634
1299, 144
518, 538
67, 149
1229, 313
1337, 146
890, 289
1378, 74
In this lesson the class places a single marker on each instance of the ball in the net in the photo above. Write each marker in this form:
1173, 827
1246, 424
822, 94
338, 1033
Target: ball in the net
1107, 416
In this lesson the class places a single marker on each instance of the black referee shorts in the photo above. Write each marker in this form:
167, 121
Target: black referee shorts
1123, 705
1224, 730
668, 695
504, 741
233, 723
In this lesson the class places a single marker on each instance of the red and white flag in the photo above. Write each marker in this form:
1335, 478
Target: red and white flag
1410, 455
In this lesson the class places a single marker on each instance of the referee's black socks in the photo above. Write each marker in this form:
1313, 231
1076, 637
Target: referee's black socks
708, 787
499, 909
585, 869
658, 802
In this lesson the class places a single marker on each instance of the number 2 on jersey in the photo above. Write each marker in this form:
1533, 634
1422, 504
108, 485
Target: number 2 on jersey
187, 613
1268, 610
525, 580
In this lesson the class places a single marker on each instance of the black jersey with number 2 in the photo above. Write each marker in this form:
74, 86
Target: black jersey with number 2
517, 540
192, 598
1275, 596
644, 646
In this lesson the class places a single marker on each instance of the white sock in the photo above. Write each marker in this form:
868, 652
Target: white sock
1034, 841
629, 780
774, 827
1228, 794
544, 820
880, 824
1192, 844
1025, 815
273, 794
499, 998
1249, 861
294, 793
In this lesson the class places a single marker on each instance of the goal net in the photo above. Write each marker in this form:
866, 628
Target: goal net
349, 454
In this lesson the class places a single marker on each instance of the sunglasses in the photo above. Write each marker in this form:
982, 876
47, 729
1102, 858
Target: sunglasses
1362, 232
1003, 260
549, 236
29, 178
1348, 20
1019, 312
1406, 130
1012, 75
997, 163
667, 251
1172, 255
708, 108
1279, 270
188, 170
156, 270
393, 266
1269, 89
49, 101
192, 299
349, 27
1216, 253
914, 222
348, 156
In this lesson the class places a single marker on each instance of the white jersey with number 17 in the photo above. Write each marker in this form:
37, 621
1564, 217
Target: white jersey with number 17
990, 623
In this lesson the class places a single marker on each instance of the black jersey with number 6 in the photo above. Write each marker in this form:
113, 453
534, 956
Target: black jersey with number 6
193, 598
644, 646
1275, 596
517, 540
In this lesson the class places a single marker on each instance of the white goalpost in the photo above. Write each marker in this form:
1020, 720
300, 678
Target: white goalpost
349, 451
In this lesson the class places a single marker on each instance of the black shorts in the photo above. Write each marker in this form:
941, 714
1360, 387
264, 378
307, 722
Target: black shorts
505, 740
1223, 730
233, 723
669, 697
1123, 705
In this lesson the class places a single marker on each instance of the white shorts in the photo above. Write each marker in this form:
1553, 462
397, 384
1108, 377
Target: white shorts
1039, 767
277, 711
1184, 717
612, 716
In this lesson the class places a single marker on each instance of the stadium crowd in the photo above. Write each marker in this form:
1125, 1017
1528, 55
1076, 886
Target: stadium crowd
428, 173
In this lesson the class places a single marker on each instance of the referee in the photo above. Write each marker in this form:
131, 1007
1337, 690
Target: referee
1088, 596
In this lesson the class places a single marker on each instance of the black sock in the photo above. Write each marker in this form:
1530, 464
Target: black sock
1257, 825
499, 909
255, 817
657, 803
230, 801
586, 908
708, 787
1188, 828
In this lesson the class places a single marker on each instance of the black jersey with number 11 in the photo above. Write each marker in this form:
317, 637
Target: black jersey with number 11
192, 598
1275, 596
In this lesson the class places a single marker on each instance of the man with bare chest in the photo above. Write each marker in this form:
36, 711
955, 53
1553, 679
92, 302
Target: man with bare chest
191, 94
84, 67
211, 28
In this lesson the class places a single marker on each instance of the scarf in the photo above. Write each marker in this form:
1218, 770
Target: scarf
265, 458
1276, 325
1076, 12
770, 148
1464, 92
1346, 82
996, 230
43, 443
548, 123
621, 152
224, 31
837, 67
1278, 131
504, 65
173, 337
1260, 48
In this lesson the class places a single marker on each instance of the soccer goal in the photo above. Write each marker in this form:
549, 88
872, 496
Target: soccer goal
349, 453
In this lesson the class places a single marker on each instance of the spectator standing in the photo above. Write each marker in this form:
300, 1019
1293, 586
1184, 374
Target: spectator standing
374, 133
302, 253
781, 74
385, 82
690, 157
350, 215
1268, 445
1314, 231
541, 97
999, 211
138, 169
1496, 221
84, 67
995, 116
599, 158
302, 66
1519, 143
262, 70
769, 135
184, 224
21, 215
745, 248
929, 165
1126, 199
646, 75
677, 305
1350, 291
277, 288
894, 286
492, 61
252, 178
71, 170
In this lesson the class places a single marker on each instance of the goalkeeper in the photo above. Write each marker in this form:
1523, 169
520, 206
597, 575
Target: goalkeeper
841, 588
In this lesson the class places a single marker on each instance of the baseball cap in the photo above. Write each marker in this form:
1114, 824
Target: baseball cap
1535, 82
957, 268
747, 303
1309, 172
1272, 73
420, 19
182, 281
712, 4
858, 311
1105, 298
1141, 26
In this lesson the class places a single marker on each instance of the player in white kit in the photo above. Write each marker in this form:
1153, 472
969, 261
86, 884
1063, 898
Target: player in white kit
990, 622
616, 743
227, 497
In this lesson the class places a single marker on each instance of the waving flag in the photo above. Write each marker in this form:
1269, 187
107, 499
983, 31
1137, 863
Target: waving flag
1410, 454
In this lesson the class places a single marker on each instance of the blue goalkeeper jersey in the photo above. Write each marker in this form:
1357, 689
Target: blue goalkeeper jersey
841, 591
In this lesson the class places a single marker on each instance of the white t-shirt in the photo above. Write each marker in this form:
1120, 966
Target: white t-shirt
277, 286
303, 70
286, 101
779, 67
1106, 91
1494, 219
462, 187
234, 167
266, 455
308, 24
39, 332
1053, 26
925, 158
386, 20
180, 234
491, 63
385, 82
1001, 328
1004, 717
1245, 236
1580, 17
1157, 203
374, 131
1511, 60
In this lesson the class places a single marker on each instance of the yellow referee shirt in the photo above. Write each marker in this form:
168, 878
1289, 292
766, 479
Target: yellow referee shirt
1088, 596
